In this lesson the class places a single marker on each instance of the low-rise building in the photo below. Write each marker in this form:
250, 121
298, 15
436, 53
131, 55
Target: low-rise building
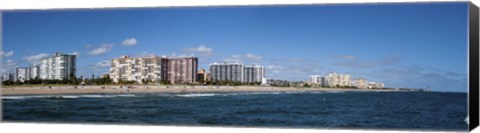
360, 83
375, 85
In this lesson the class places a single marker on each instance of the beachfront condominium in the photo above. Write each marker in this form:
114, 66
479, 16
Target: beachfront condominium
58, 67
253, 74
35, 72
375, 85
153, 68
8, 76
182, 70
227, 72
334, 79
360, 83
126, 68
236, 72
316, 79
22, 74
27, 73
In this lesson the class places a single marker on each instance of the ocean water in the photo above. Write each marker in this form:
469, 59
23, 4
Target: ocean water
372, 110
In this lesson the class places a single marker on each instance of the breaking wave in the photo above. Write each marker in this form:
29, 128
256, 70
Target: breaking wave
67, 96
200, 94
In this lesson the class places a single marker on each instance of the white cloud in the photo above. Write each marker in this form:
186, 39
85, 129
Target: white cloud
88, 46
35, 58
234, 59
6, 54
253, 57
8, 66
202, 49
347, 57
104, 63
104, 48
129, 42
354, 62
241, 58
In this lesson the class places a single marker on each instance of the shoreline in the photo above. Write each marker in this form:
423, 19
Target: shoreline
45, 90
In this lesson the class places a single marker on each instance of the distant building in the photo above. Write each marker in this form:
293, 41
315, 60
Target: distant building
277, 82
156, 69
360, 83
334, 79
236, 72
182, 70
227, 72
58, 67
297, 84
8, 76
105, 75
202, 75
22, 74
35, 72
376, 85
316, 79
126, 68
254, 74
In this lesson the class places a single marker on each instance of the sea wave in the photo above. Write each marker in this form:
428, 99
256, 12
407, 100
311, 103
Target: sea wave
73, 96
67, 96
196, 95
225, 94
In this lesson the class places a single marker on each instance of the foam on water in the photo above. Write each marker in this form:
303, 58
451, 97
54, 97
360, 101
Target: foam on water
166, 94
67, 96
197, 95
25, 97
466, 120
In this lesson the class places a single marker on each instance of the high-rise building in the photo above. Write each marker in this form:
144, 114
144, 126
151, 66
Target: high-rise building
227, 72
156, 69
58, 67
35, 72
236, 72
22, 74
253, 74
182, 70
126, 68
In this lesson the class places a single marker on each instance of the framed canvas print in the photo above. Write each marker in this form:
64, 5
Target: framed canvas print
380, 66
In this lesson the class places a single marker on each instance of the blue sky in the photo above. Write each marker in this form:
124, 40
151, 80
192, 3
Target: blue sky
403, 45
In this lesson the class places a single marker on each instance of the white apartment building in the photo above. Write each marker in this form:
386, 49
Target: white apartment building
227, 72
22, 74
253, 74
316, 79
334, 79
58, 67
137, 69
376, 85
236, 72
360, 83
35, 72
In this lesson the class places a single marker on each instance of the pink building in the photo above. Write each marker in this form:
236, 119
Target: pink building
182, 70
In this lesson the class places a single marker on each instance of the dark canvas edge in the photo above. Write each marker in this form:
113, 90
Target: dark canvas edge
473, 83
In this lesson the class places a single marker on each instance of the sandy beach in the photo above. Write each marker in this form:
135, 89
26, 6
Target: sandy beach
46, 90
